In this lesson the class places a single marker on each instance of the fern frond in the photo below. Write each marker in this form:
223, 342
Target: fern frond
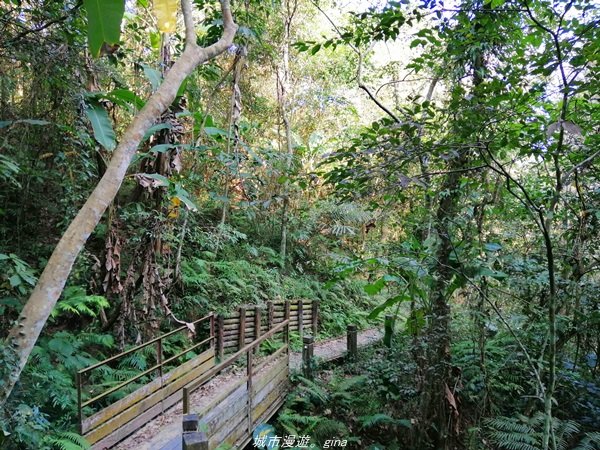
66, 440
375, 419
591, 441
314, 390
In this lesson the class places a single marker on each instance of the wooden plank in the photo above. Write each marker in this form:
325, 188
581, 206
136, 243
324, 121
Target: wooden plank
121, 433
235, 342
257, 324
274, 394
219, 419
287, 321
314, 317
300, 318
305, 304
270, 311
127, 429
249, 325
261, 381
242, 329
293, 317
273, 408
168, 395
227, 327
249, 375
143, 392
243, 441
270, 384
233, 325
272, 357
237, 423
220, 337
215, 402
235, 332
233, 358
238, 431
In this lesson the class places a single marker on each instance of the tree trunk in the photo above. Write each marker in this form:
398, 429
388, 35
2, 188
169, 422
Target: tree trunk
289, 7
438, 398
24, 334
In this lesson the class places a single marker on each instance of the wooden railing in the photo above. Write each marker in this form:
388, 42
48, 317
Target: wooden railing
229, 338
118, 419
249, 322
231, 418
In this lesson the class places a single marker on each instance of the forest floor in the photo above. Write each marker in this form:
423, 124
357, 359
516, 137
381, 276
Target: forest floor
162, 432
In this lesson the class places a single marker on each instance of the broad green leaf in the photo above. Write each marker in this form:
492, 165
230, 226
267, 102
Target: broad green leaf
184, 196
153, 76
155, 40
387, 304
154, 128
375, 288
103, 130
104, 22
125, 97
15, 280
162, 148
162, 180
213, 131
492, 246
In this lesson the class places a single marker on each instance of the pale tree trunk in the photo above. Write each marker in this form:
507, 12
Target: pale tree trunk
24, 334
284, 83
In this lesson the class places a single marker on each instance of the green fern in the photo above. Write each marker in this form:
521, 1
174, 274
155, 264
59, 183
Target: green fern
330, 428
75, 301
297, 424
523, 433
591, 441
375, 419
66, 440
314, 391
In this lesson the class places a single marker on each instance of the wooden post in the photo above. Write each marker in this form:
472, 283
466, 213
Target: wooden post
195, 440
389, 330
249, 388
212, 330
352, 342
307, 356
300, 319
315, 317
186, 400
242, 328
79, 409
159, 357
286, 315
220, 337
270, 314
190, 422
257, 325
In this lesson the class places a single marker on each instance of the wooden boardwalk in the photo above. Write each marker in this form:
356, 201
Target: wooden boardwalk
223, 377
221, 401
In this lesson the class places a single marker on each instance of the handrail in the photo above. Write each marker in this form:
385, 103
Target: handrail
145, 372
158, 366
191, 387
145, 344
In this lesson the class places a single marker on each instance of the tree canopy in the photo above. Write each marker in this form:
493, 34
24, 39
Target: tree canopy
434, 162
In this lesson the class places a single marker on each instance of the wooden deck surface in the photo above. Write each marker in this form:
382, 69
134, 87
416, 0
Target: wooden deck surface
170, 439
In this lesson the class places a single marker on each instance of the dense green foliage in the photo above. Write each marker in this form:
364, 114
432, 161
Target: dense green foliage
461, 196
